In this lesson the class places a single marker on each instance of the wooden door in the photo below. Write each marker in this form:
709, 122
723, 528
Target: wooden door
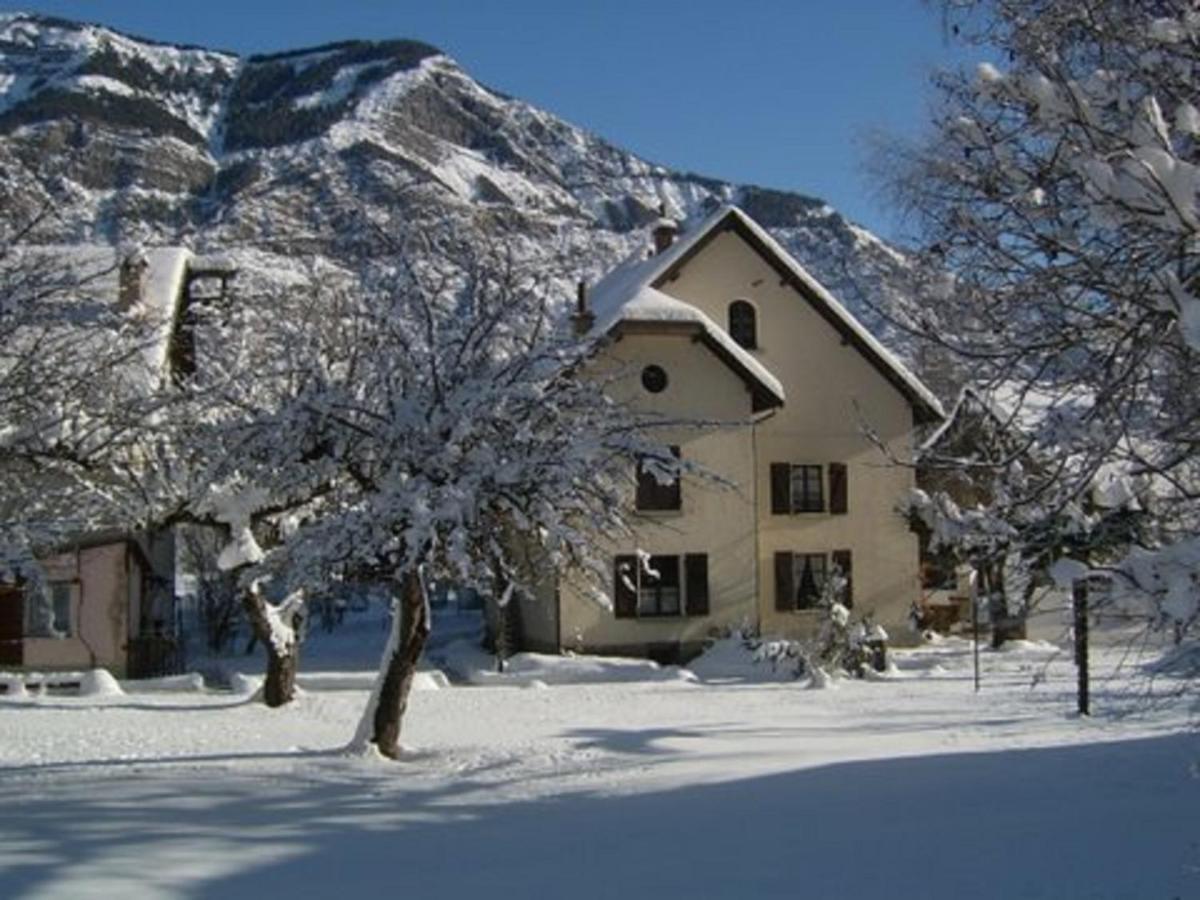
12, 626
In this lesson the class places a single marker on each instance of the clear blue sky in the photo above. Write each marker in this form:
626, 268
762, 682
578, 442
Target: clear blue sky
772, 92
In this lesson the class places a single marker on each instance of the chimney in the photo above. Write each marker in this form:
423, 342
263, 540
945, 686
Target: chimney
664, 230
132, 280
584, 318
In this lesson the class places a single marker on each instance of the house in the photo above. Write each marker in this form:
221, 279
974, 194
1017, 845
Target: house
106, 598
721, 324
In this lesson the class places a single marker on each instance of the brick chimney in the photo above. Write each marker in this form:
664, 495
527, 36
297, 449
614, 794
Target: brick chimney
132, 280
584, 318
664, 230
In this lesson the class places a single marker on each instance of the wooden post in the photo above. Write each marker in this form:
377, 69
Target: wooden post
975, 634
1079, 604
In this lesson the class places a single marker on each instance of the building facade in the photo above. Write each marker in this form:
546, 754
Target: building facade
805, 416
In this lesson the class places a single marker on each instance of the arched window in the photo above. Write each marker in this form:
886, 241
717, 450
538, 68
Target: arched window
742, 325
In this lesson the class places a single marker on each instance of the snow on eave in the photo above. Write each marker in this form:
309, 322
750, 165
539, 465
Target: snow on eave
658, 268
965, 395
160, 298
647, 305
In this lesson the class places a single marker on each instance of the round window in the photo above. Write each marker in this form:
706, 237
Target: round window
654, 379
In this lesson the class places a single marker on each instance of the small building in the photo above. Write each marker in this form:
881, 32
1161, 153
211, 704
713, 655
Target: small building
107, 598
105, 601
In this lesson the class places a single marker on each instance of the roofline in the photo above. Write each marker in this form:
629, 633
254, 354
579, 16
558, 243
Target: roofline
926, 407
762, 397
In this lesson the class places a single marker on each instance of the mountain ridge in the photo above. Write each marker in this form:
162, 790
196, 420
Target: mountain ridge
155, 141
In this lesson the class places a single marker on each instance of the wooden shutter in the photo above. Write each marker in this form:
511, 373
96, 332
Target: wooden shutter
838, 488
12, 626
696, 583
785, 583
781, 488
625, 572
843, 560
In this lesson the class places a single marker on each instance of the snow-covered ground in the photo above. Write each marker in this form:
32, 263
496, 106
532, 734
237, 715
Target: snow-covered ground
574, 778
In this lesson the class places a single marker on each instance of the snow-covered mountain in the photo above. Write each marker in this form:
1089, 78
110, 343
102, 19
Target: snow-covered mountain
162, 143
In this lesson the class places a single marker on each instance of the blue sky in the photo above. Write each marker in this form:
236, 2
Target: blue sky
773, 92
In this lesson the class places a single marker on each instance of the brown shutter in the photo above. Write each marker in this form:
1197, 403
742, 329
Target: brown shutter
781, 488
844, 561
624, 592
838, 488
696, 575
672, 494
785, 585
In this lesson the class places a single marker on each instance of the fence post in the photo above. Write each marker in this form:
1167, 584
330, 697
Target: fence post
1079, 608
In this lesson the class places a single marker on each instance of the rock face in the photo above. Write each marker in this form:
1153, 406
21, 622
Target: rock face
156, 142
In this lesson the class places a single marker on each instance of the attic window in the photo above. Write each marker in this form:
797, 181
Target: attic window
743, 326
654, 379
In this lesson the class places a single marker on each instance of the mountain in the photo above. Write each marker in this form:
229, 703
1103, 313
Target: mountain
154, 142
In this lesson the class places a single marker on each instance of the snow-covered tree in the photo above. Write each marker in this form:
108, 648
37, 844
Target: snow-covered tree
1057, 205
76, 381
409, 423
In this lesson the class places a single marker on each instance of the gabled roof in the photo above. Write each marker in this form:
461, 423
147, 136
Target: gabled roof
624, 284
648, 309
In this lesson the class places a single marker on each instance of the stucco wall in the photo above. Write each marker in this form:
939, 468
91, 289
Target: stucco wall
716, 520
832, 389
99, 606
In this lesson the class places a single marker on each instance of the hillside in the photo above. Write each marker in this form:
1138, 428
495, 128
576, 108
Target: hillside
160, 143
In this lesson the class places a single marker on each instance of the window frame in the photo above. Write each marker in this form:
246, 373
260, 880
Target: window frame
736, 331
652, 495
654, 378
660, 562
810, 502
60, 607
692, 586
801, 561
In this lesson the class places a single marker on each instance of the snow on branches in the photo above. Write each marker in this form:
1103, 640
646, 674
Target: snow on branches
1058, 205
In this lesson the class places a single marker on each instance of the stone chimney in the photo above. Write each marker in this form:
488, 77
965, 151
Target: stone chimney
664, 230
131, 288
584, 318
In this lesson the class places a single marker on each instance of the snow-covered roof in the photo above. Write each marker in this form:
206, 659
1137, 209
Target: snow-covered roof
624, 286
646, 304
96, 269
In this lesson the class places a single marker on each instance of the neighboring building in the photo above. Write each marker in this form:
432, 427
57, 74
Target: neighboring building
105, 602
723, 325
107, 598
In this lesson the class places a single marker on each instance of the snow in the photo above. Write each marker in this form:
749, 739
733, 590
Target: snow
910, 786
470, 663
99, 683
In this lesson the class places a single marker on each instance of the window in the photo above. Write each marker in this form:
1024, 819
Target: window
658, 587
661, 585
654, 379
743, 327
809, 575
653, 494
809, 580
48, 613
800, 488
807, 489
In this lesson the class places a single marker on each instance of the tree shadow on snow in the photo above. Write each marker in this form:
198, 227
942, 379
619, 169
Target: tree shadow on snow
1103, 820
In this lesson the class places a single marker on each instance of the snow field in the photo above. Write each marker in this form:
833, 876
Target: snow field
910, 786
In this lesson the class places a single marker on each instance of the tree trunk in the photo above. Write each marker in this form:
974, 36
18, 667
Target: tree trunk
392, 698
280, 685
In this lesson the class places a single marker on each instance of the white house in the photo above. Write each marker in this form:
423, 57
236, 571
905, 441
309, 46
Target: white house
722, 324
